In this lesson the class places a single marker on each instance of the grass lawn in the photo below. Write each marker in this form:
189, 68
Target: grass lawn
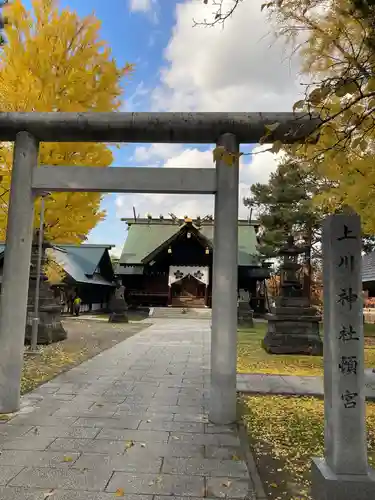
253, 359
285, 432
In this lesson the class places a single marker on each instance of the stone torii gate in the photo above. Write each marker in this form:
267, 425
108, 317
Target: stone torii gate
29, 179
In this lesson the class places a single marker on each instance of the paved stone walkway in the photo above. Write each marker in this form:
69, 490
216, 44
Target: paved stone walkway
256, 383
132, 420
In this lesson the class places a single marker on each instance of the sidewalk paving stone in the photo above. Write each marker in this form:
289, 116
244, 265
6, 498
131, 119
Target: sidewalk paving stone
133, 418
161, 484
293, 385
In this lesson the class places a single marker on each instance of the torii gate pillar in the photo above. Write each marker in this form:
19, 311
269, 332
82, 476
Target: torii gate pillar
223, 397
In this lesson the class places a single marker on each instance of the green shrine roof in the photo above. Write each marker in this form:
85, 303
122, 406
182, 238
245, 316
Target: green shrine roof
80, 262
145, 235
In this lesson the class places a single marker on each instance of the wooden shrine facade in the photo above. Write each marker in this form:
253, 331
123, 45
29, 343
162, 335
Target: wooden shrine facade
168, 262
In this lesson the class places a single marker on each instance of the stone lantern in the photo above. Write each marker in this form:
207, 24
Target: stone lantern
50, 328
293, 325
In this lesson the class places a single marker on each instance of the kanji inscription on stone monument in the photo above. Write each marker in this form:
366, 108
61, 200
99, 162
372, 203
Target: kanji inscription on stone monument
350, 399
347, 297
337, 476
348, 365
347, 261
348, 333
347, 234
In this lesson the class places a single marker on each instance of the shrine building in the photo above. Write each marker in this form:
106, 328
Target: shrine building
168, 262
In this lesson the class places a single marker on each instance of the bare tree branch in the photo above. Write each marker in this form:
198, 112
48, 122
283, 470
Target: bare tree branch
220, 14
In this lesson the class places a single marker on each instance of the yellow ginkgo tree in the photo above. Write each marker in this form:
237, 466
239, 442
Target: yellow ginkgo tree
335, 42
53, 60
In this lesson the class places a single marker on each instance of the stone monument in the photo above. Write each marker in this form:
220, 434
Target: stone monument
343, 473
118, 306
244, 311
293, 325
50, 328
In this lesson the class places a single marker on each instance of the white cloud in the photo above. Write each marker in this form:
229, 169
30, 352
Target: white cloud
135, 100
145, 6
155, 152
116, 251
140, 5
239, 68
255, 169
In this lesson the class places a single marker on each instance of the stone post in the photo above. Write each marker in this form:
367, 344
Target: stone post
343, 473
223, 397
16, 271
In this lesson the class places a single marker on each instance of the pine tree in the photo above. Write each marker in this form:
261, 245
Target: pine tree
290, 204
55, 61
285, 206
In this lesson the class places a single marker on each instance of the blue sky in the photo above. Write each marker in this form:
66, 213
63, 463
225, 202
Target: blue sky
181, 68
136, 38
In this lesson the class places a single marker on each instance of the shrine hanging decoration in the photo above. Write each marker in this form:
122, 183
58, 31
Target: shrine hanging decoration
177, 273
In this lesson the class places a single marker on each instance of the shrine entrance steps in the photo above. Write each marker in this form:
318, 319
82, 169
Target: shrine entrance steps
180, 313
191, 302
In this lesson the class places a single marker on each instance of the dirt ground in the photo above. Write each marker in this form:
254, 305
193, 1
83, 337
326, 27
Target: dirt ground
86, 338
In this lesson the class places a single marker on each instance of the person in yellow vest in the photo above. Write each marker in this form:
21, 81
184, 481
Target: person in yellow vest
77, 305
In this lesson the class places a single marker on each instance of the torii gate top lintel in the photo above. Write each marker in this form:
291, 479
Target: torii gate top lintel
188, 128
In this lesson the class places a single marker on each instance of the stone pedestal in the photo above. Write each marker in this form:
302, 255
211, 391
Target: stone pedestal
343, 473
326, 485
293, 325
118, 312
50, 328
293, 328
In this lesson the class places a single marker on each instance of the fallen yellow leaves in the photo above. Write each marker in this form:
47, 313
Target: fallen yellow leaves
120, 492
252, 358
84, 341
68, 459
129, 444
291, 429
51, 361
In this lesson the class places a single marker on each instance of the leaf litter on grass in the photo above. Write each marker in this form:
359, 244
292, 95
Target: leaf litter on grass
252, 358
292, 430
84, 341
